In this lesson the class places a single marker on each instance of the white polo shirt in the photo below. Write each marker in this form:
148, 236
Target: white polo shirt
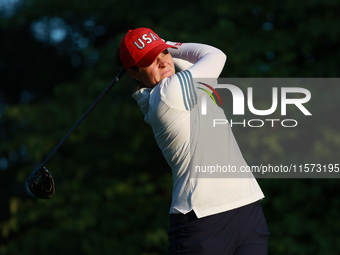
188, 141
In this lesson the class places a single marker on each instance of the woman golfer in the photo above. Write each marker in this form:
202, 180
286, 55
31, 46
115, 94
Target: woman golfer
214, 210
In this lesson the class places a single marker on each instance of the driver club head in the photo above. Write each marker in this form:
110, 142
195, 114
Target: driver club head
41, 183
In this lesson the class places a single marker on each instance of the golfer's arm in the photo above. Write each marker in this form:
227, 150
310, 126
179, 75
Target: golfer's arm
201, 60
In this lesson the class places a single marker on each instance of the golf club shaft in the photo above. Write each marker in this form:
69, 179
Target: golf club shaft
85, 114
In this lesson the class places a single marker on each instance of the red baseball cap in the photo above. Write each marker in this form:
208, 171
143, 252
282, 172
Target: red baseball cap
140, 47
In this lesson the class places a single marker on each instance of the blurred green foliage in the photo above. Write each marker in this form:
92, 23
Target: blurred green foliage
113, 187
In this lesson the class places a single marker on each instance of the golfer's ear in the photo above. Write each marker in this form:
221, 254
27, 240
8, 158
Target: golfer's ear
133, 74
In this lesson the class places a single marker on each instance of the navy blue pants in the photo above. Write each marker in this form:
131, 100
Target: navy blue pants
242, 231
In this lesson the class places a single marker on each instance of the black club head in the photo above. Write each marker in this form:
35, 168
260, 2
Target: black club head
41, 183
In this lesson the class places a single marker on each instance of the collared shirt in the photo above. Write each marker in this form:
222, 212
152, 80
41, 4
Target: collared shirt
188, 141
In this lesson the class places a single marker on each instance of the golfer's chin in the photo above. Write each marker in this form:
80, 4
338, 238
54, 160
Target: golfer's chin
166, 74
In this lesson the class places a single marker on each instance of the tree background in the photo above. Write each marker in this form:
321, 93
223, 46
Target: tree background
113, 187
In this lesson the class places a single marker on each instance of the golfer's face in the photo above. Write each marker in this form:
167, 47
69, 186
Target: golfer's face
162, 67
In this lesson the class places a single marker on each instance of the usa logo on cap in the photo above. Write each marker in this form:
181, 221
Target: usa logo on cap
140, 47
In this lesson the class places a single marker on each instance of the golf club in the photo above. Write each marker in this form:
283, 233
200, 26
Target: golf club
41, 183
